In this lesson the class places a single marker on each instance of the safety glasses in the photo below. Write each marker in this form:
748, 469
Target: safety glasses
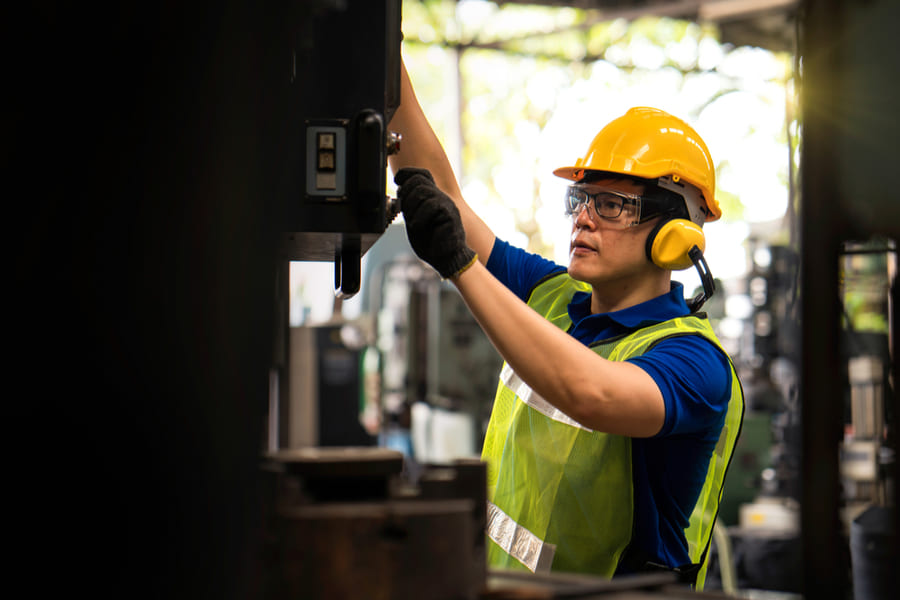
622, 208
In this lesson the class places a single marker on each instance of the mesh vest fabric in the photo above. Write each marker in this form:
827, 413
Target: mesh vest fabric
572, 487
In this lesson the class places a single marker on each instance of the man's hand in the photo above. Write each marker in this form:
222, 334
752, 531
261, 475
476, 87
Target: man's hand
433, 224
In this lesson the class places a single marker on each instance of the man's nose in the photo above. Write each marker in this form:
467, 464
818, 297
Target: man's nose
583, 218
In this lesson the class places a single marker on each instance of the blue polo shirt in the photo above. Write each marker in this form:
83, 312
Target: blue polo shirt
694, 376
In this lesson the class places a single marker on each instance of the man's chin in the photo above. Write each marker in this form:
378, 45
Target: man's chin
576, 272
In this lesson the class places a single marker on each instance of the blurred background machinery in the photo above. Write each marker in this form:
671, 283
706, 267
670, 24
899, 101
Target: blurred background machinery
867, 463
437, 368
414, 372
761, 499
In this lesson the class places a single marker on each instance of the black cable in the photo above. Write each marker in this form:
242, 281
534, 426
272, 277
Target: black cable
706, 278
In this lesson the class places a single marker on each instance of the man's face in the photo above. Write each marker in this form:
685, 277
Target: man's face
609, 252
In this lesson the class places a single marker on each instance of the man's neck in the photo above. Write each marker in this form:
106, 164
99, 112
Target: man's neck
608, 299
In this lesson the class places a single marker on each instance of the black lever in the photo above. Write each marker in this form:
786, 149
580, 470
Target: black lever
347, 272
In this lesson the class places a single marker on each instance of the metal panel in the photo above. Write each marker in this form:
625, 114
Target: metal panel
341, 86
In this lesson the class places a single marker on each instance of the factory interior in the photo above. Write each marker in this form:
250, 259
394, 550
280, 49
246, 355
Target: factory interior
243, 386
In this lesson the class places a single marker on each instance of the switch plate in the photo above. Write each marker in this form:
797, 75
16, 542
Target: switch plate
326, 160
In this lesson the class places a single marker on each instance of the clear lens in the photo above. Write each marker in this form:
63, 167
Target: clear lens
575, 199
610, 205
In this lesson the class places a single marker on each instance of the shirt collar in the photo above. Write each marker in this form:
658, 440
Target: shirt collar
662, 308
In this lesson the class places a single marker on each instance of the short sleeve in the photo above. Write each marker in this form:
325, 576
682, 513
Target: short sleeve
694, 376
519, 270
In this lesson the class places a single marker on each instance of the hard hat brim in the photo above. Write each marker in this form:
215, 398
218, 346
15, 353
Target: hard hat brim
570, 173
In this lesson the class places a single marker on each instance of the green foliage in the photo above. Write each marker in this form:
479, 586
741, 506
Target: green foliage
731, 205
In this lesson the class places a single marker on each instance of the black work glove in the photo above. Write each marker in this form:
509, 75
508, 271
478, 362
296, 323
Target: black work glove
433, 224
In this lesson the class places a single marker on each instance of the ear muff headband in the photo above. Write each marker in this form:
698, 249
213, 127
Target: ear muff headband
669, 243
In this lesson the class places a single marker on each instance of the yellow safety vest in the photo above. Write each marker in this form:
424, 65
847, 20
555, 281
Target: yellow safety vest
561, 495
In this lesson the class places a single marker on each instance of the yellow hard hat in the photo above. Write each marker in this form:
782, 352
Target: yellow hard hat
650, 143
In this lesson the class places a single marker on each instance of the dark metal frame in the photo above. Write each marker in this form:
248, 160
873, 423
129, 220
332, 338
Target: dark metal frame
849, 65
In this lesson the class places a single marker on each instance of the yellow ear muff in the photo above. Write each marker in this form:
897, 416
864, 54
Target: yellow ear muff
670, 241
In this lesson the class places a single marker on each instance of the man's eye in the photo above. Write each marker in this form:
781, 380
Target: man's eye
608, 204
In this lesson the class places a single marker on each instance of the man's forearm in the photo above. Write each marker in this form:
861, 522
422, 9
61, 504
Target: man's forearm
421, 148
615, 397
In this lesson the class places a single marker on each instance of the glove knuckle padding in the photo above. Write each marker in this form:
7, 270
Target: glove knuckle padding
407, 173
433, 223
415, 192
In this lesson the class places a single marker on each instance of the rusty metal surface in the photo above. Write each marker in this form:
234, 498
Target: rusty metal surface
389, 550
334, 474
346, 523
338, 462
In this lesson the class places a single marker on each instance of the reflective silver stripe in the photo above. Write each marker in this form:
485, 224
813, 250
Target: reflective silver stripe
534, 400
518, 542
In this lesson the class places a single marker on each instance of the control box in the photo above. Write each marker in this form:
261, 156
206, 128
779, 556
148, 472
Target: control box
344, 86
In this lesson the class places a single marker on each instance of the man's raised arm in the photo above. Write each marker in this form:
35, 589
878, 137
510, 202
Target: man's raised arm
420, 148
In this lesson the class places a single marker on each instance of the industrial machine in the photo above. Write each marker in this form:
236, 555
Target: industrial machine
868, 449
766, 538
336, 99
344, 523
342, 97
868, 271
343, 517
764, 526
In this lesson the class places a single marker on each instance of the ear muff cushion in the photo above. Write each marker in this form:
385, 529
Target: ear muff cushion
670, 241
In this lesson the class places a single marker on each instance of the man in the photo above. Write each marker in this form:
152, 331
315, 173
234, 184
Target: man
617, 409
